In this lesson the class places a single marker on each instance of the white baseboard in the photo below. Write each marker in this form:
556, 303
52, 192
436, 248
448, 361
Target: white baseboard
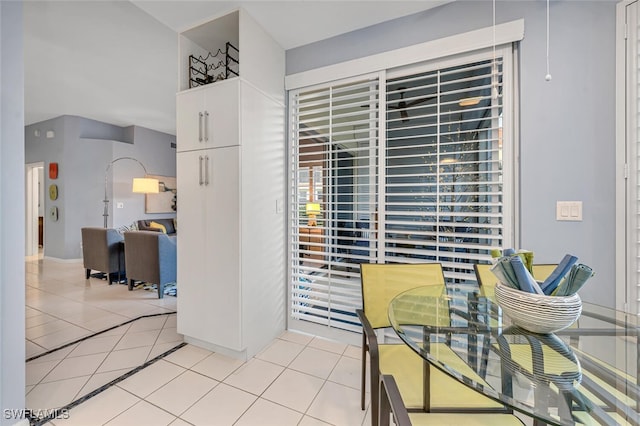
241, 355
57, 259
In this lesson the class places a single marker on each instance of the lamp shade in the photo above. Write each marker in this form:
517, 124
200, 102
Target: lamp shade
313, 208
145, 185
470, 101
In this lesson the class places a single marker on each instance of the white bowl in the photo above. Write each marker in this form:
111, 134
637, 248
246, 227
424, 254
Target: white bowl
538, 313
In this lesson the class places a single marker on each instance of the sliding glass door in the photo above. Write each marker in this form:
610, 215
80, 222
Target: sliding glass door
405, 165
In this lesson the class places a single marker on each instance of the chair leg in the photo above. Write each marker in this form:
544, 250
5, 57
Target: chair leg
130, 285
375, 394
363, 374
160, 291
385, 406
426, 386
87, 273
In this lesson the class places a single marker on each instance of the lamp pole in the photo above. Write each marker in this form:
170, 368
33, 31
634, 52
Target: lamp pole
105, 214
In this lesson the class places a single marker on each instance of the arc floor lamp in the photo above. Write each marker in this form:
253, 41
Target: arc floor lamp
142, 185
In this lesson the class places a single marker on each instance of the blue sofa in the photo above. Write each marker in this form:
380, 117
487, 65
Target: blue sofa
168, 223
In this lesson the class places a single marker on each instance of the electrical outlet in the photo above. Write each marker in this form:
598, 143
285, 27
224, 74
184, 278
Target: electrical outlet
120, 205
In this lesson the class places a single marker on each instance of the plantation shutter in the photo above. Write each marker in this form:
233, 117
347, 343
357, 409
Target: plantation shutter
405, 166
333, 196
443, 183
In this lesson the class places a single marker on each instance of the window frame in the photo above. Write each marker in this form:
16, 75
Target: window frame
627, 162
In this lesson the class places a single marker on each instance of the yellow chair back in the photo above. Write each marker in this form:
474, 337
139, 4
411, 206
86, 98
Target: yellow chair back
542, 271
484, 276
382, 282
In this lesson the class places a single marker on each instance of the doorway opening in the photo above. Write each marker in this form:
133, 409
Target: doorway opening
34, 209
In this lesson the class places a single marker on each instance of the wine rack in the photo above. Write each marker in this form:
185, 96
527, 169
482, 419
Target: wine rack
214, 67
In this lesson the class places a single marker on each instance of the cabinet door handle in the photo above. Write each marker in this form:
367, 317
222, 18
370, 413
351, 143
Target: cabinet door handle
206, 126
206, 170
200, 126
200, 170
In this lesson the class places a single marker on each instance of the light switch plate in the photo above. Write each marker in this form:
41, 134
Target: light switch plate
569, 211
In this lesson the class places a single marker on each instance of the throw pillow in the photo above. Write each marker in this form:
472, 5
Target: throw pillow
156, 225
125, 228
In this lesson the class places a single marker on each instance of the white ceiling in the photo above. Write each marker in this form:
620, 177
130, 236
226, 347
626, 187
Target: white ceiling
291, 23
116, 61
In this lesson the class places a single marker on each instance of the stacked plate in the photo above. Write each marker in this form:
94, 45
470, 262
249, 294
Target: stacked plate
538, 313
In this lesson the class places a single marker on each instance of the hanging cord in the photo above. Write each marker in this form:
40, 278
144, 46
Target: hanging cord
494, 70
548, 76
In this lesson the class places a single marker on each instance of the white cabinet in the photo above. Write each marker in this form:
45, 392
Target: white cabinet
207, 116
231, 258
231, 187
208, 246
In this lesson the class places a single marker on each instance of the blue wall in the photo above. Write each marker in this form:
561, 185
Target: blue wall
83, 148
567, 135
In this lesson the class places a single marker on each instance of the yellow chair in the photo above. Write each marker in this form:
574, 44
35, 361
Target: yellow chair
380, 284
391, 404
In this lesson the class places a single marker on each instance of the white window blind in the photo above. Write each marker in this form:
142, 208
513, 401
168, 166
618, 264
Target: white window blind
443, 166
405, 166
333, 187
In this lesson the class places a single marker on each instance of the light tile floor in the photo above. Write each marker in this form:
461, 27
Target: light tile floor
297, 380
60, 377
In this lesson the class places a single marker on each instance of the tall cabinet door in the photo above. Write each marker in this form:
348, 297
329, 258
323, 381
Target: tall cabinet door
192, 234
223, 247
209, 270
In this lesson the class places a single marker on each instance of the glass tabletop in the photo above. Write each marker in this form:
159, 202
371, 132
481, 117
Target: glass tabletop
587, 373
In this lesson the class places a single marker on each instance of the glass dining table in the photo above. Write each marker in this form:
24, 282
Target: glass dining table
584, 374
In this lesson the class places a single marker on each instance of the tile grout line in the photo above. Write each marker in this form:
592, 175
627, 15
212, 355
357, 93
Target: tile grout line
177, 416
90, 376
94, 335
258, 397
113, 349
303, 413
56, 294
38, 422
325, 380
